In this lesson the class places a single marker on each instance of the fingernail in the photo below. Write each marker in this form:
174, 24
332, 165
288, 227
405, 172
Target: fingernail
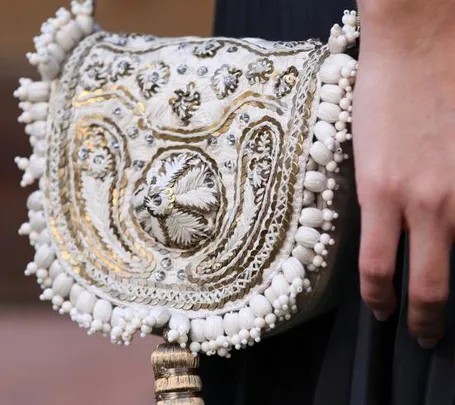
381, 316
428, 343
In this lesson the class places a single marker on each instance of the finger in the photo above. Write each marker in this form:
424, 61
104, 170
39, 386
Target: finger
380, 234
428, 277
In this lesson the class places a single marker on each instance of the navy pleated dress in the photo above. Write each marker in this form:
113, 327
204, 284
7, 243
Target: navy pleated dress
344, 357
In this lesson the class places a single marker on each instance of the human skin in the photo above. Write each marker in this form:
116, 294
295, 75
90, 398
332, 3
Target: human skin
404, 147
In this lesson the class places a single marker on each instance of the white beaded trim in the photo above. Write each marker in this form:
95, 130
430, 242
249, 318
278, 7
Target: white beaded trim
214, 334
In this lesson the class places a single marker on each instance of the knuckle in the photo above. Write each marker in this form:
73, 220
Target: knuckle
428, 297
375, 270
378, 184
426, 198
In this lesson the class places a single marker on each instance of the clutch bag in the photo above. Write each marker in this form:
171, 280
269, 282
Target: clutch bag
187, 187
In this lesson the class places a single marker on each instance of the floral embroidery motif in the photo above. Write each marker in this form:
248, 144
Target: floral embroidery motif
286, 82
152, 78
121, 67
186, 102
207, 49
179, 201
95, 76
225, 80
260, 71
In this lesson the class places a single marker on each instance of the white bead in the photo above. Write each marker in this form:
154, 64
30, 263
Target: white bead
86, 302
222, 341
331, 166
36, 129
62, 285
222, 352
180, 322
303, 254
270, 294
324, 130
270, 319
325, 239
173, 335
280, 285
85, 23
65, 40
320, 153
345, 116
344, 83
311, 217
317, 261
330, 73
307, 237
102, 311
66, 307
150, 320
327, 195
328, 215
214, 327
57, 301
335, 47
345, 103
47, 295
72, 29
349, 19
319, 248
146, 330
340, 126
56, 52
315, 182
244, 335
259, 323
341, 136
298, 284
44, 257
162, 316
292, 269
260, 306
331, 93
197, 331
235, 340
247, 316
117, 317
42, 274
195, 347
328, 112
231, 323
346, 72
76, 290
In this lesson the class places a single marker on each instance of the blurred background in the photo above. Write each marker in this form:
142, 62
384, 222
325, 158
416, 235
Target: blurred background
46, 359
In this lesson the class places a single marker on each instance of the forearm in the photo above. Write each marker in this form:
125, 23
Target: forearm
410, 27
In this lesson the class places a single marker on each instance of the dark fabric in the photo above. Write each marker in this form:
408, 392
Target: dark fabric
344, 357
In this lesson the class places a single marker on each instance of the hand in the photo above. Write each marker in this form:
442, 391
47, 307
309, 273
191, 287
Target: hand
404, 146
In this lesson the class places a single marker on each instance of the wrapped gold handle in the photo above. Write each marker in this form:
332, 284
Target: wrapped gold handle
176, 378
